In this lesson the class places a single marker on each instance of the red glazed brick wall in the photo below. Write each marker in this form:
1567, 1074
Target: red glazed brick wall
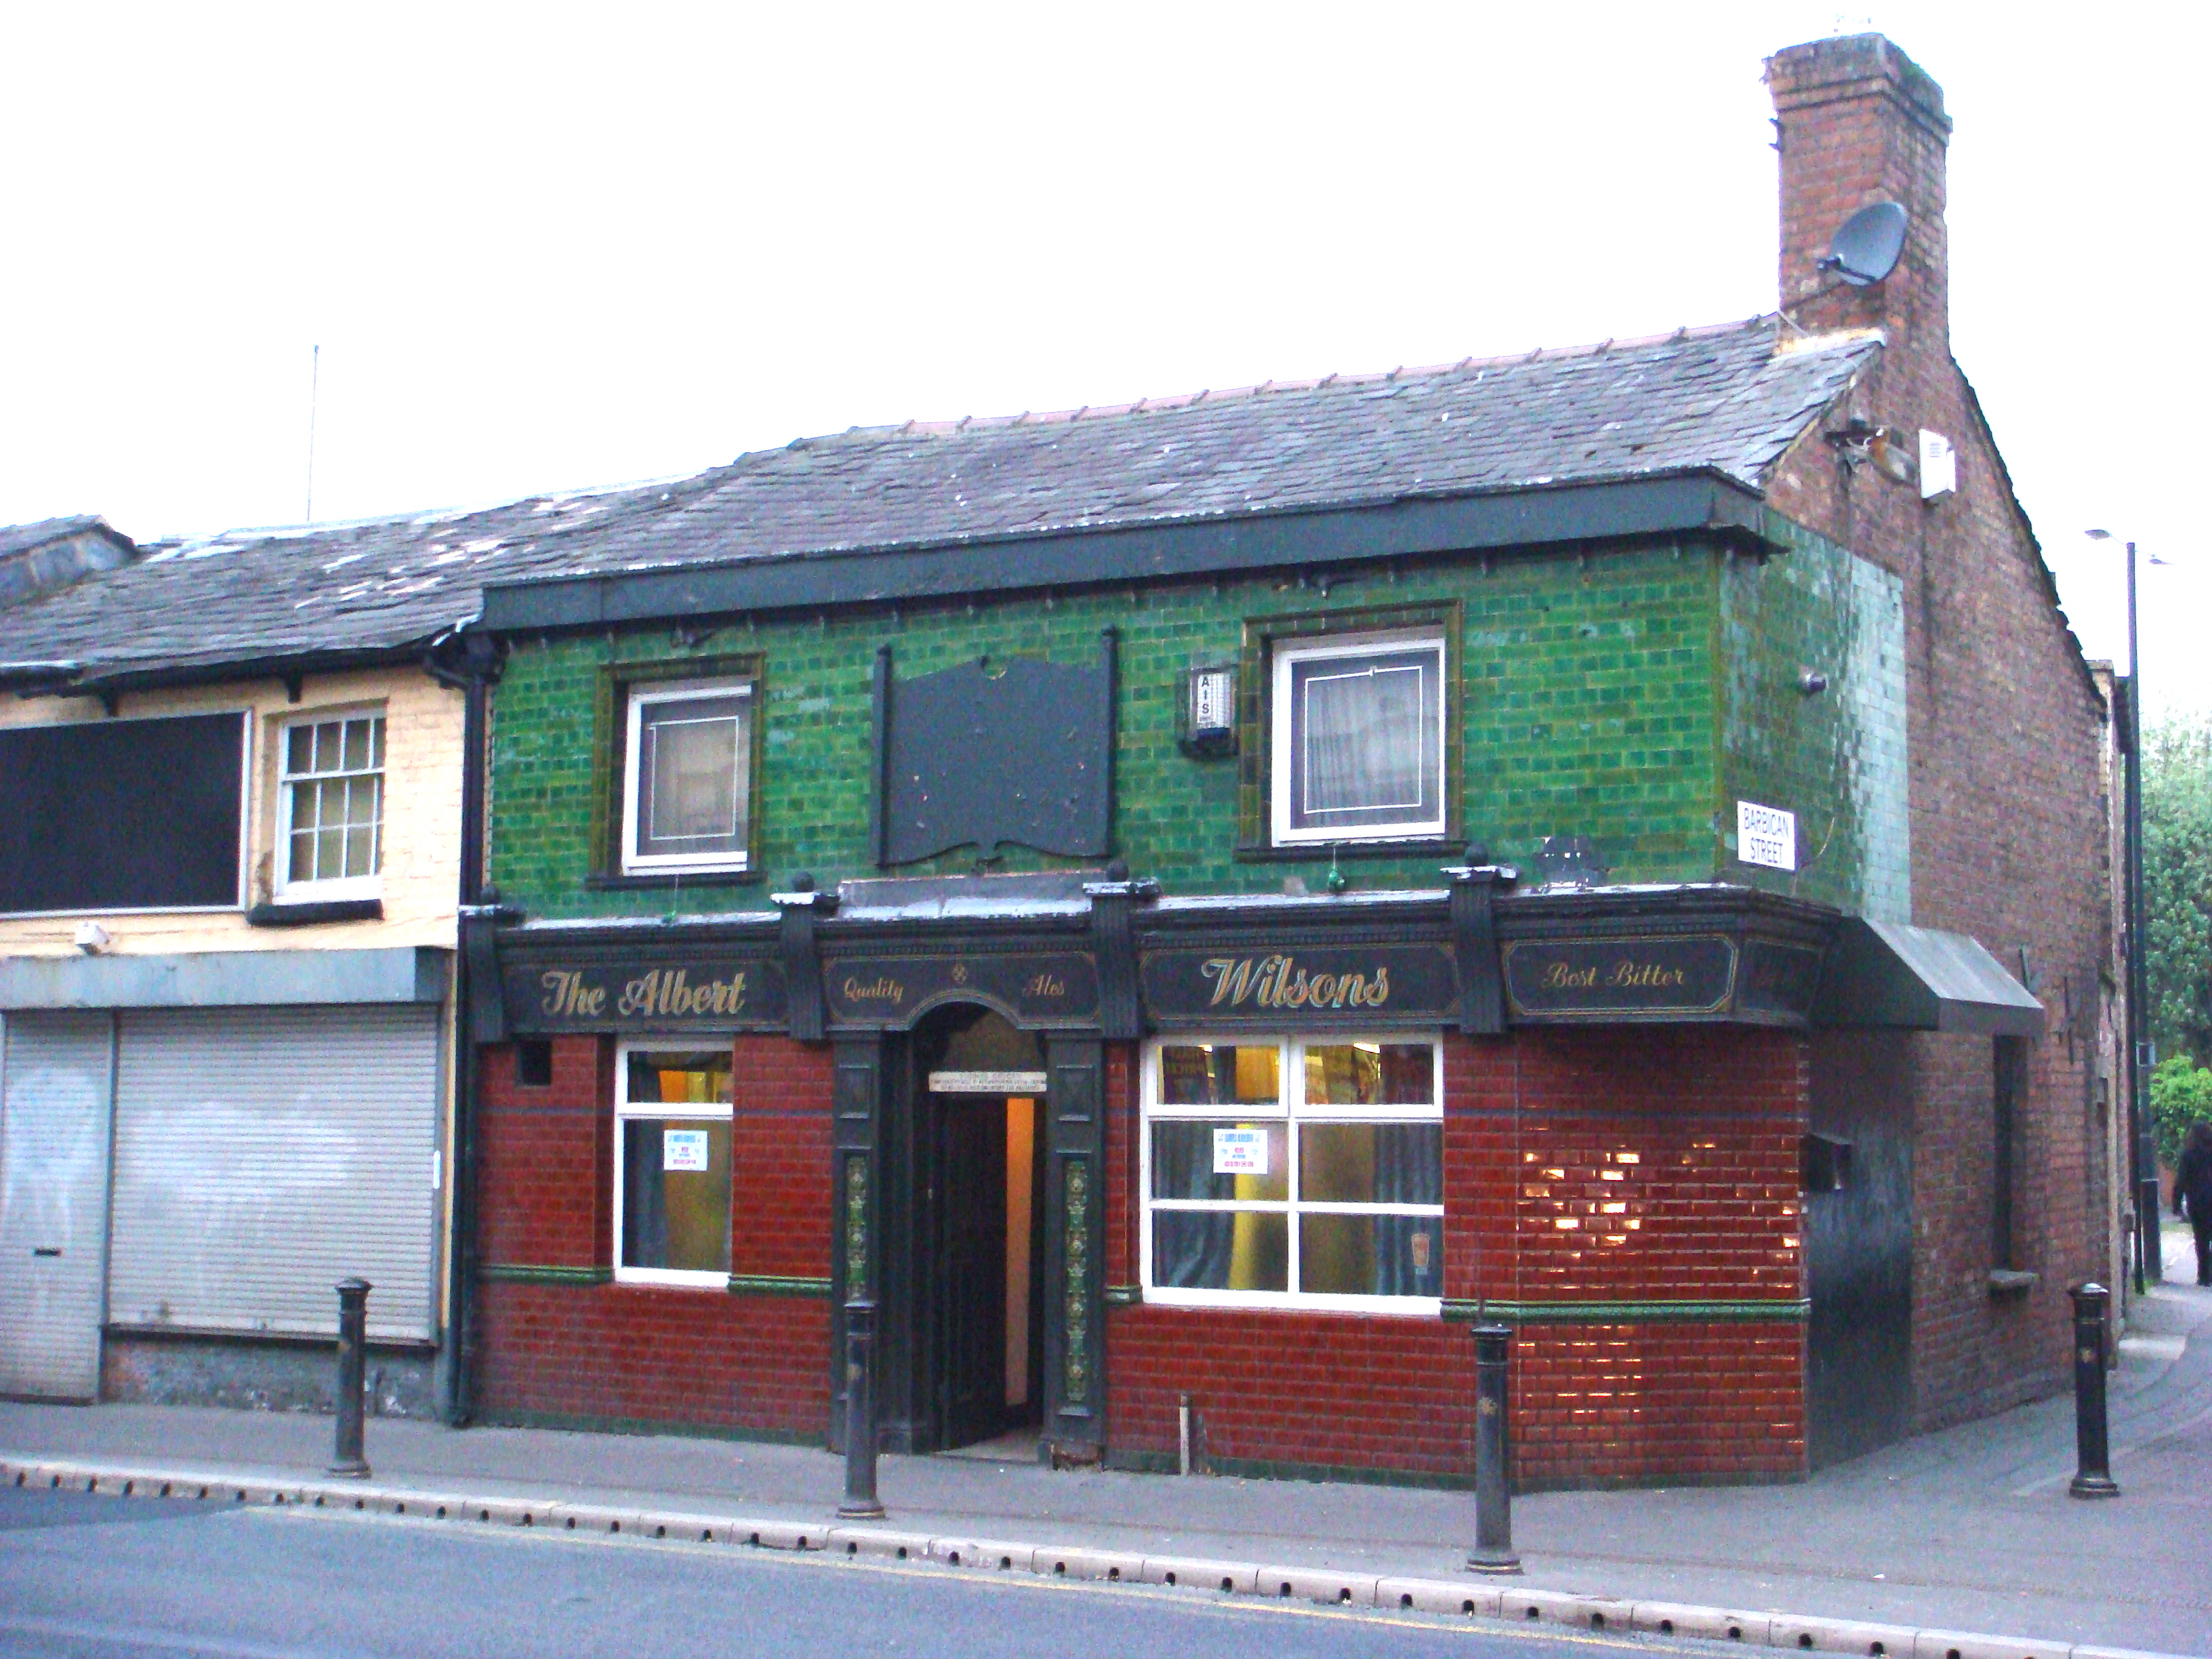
2003, 723
636, 1353
1673, 1151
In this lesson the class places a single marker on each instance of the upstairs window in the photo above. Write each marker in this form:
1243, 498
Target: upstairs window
330, 808
688, 776
1358, 739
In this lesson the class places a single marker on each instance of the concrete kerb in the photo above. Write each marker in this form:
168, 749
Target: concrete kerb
1437, 1595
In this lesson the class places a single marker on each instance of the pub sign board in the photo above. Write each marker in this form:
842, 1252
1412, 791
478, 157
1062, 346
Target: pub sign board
708, 992
1623, 979
1324, 985
1032, 988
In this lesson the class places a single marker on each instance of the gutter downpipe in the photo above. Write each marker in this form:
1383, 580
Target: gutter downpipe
2149, 1252
478, 668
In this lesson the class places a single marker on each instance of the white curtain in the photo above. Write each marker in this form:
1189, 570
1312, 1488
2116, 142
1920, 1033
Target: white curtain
1362, 739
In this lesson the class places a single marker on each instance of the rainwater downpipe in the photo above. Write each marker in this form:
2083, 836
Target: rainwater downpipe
478, 667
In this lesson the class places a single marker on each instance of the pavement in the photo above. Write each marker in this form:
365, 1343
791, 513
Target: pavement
1969, 1530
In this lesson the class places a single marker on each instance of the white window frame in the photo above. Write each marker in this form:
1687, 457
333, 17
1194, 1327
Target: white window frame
285, 889
689, 1042
1289, 1110
1284, 756
639, 695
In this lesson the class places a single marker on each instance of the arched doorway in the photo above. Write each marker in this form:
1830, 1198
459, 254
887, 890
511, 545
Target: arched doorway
978, 1088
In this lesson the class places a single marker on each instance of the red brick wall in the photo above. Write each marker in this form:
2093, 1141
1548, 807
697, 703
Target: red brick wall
633, 1352
1701, 1127
2003, 724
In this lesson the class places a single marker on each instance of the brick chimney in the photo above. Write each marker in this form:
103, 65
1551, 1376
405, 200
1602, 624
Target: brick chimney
1859, 123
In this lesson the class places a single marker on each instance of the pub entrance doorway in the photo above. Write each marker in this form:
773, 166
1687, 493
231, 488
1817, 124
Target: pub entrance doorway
979, 1089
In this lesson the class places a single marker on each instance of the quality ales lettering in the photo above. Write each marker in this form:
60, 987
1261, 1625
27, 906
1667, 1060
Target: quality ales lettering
1625, 973
660, 993
1279, 982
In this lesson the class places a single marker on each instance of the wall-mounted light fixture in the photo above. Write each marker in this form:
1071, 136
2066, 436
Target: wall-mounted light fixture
1812, 682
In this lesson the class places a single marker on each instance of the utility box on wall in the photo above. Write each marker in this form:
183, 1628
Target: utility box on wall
1206, 721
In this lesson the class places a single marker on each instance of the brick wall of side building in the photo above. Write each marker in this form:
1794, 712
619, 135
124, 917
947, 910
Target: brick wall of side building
1652, 1172
552, 1346
2003, 723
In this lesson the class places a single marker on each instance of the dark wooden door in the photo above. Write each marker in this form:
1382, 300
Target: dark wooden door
971, 1267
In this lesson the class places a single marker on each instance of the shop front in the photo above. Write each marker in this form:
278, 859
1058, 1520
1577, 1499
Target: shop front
1103, 1158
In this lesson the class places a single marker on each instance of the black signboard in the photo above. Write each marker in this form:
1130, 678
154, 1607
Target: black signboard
1371, 984
708, 991
1058, 988
1778, 981
1622, 979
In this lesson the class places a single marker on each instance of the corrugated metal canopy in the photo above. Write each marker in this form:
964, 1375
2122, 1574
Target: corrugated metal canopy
1920, 979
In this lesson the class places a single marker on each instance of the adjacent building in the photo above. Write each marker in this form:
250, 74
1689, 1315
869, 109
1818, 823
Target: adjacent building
231, 837
1199, 901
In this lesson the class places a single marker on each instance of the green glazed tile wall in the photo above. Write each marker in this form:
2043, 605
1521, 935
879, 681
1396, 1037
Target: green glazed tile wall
1590, 688
1837, 758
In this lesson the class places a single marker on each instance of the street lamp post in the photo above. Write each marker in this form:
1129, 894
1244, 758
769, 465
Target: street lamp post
2142, 1142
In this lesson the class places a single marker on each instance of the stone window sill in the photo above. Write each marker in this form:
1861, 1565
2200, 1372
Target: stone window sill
2009, 1281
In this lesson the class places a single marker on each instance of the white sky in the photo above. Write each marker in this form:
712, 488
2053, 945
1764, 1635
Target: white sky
543, 246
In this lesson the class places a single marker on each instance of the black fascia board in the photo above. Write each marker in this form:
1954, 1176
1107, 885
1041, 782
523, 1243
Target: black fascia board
1702, 502
96, 680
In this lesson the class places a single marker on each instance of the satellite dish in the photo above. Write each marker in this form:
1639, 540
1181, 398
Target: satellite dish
1867, 245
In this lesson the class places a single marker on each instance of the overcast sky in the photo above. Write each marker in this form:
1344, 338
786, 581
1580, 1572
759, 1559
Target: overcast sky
544, 247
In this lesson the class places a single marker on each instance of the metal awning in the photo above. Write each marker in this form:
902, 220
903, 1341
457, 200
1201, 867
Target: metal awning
1920, 979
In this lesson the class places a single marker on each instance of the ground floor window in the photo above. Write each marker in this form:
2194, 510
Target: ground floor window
672, 1164
1294, 1171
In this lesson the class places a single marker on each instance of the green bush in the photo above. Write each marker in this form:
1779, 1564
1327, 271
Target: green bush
2180, 1095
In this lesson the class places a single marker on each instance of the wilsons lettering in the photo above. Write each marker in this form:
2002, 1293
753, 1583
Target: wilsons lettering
1278, 982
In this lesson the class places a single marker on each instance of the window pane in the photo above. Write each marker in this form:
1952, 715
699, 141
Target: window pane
1371, 1074
1371, 1162
692, 776
1366, 739
355, 758
303, 857
326, 748
1220, 1074
300, 749
1220, 1250
678, 1077
303, 814
376, 743
1220, 1160
361, 851
329, 853
676, 1194
1370, 1256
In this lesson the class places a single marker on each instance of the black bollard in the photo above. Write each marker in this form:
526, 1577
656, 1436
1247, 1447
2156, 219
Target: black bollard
860, 1501
353, 1359
2093, 1444
1493, 1455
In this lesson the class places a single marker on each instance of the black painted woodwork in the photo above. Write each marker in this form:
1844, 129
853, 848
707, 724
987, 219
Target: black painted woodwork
856, 1254
1074, 1248
986, 753
122, 814
1858, 1248
967, 1275
1474, 948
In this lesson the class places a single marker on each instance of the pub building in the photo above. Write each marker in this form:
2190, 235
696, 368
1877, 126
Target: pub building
1202, 899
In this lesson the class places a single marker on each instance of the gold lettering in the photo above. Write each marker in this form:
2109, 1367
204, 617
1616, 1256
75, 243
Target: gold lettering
1277, 981
561, 986
638, 994
593, 1003
1046, 985
882, 988
1381, 995
1231, 979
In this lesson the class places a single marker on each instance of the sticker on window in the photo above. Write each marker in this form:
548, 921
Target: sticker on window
1240, 1152
683, 1149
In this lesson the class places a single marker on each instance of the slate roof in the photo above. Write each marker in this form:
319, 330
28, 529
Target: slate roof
1719, 400
22, 538
1725, 402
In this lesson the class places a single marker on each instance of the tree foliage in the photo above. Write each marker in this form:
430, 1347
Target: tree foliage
2180, 1095
2177, 840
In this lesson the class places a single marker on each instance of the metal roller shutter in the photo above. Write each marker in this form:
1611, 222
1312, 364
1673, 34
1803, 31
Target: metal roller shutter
53, 1201
262, 1155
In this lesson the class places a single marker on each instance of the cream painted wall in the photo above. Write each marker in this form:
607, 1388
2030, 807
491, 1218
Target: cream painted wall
421, 815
